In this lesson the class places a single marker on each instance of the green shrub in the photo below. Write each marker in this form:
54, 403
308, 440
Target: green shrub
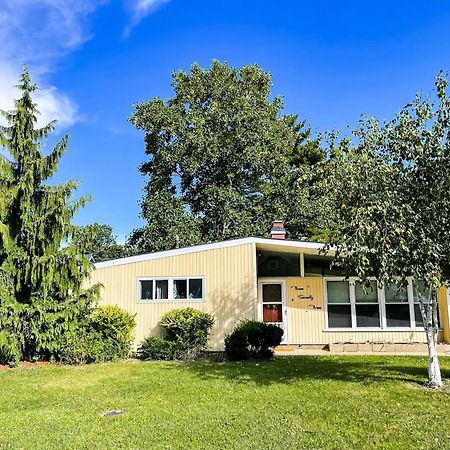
252, 339
9, 349
82, 346
116, 328
158, 348
188, 327
106, 336
185, 332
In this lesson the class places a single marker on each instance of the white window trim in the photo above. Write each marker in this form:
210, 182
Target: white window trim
170, 290
382, 304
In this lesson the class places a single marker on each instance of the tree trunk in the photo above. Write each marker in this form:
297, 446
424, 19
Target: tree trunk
430, 319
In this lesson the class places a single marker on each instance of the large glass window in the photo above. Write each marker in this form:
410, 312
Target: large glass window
350, 304
277, 264
339, 307
367, 306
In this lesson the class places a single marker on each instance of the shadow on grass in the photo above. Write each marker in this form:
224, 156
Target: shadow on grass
288, 369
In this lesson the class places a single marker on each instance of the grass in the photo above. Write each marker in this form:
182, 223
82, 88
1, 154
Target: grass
337, 402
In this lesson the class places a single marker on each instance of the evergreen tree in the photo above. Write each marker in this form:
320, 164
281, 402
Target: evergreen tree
41, 266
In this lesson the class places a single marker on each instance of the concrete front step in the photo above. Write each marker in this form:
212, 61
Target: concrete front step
385, 348
361, 348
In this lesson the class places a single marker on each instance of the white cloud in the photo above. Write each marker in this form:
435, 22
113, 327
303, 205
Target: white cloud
140, 9
40, 33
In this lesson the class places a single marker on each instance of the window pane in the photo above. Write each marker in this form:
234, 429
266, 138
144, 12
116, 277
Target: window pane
338, 292
273, 313
278, 264
396, 293
419, 288
367, 316
398, 315
179, 289
161, 290
147, 290
195, 288
418, 315
271, 293
366, 294
339, 316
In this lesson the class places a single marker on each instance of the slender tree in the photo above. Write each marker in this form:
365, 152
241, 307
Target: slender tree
391, 191
41, 265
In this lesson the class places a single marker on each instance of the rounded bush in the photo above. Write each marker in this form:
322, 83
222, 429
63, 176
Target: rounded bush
252, 339
188, 327
185, 333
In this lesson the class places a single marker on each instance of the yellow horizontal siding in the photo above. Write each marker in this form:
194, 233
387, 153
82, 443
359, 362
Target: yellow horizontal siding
230, 285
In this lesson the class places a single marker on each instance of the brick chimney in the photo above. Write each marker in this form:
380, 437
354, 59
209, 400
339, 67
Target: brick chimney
277, 231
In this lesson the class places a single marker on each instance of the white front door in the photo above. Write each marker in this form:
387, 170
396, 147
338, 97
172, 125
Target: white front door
273, 308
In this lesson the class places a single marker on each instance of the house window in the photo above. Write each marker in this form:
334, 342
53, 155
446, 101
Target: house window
162, 290
170, 289
352, 305
397, 306
367, 306
339, 307
147, 290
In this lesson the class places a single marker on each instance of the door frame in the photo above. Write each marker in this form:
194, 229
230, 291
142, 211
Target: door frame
283, 282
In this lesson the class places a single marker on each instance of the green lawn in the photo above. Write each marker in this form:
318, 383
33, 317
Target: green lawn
291, 402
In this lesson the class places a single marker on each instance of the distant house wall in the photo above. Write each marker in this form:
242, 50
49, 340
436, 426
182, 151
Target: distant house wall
229, 284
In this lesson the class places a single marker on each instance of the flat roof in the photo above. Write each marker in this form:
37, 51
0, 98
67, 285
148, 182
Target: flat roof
266, 242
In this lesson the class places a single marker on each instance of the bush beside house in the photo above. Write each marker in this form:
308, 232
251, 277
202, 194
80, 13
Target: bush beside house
107, 335
252, 339
185, 332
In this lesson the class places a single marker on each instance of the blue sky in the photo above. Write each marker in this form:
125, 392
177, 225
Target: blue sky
332, 61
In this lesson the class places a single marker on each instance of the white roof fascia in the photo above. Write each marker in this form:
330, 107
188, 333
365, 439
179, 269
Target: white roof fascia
206, 247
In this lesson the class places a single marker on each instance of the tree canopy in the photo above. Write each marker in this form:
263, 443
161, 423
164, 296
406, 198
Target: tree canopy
390, 188
101, 242
223, 160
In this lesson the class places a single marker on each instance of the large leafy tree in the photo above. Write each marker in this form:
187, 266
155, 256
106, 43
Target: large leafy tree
391, 189
103, 243
222, 160
42, 266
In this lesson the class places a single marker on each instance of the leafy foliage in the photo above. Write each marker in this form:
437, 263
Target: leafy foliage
391, 191
103, 244
41, 295
252, 339
107, 335
223, 161
188, 327
185, 332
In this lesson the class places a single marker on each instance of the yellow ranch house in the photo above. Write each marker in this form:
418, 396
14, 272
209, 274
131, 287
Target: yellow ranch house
275, 280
